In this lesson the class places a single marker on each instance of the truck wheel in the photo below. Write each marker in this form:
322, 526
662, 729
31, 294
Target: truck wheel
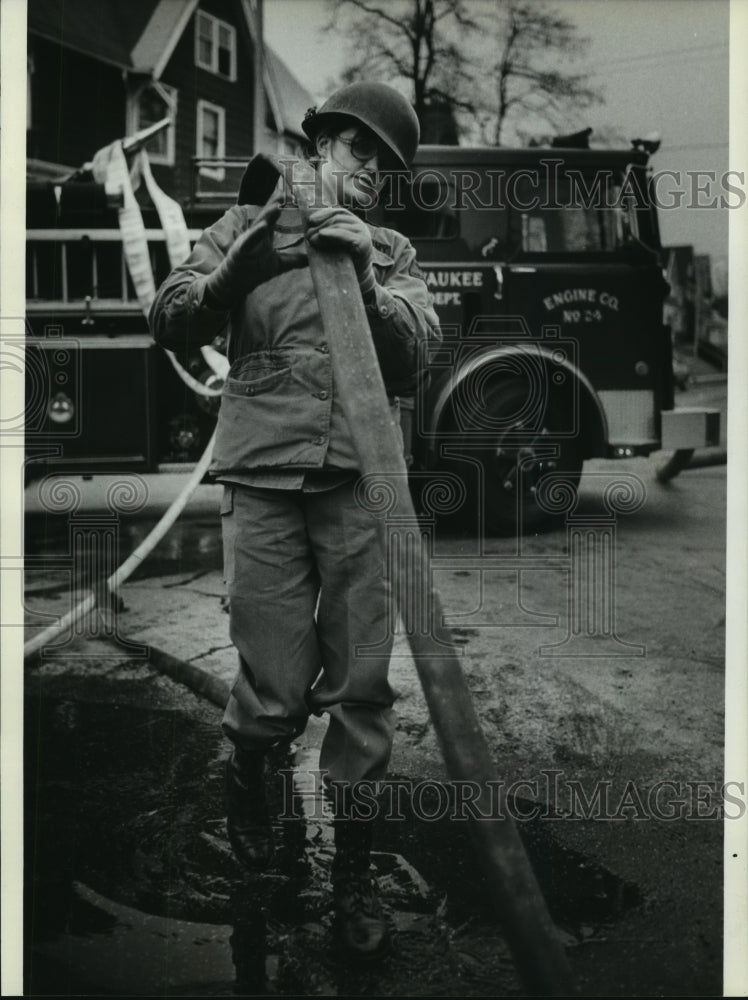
518, 451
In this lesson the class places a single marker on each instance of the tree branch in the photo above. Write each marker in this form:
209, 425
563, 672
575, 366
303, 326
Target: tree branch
377, 12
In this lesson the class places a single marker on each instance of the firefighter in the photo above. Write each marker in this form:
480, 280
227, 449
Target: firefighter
305, 576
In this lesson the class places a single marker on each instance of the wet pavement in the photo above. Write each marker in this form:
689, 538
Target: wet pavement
135, 890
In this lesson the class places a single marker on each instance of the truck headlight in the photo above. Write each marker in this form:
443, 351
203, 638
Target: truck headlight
60, 408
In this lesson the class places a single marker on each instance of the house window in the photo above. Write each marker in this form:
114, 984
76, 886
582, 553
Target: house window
215, 45
211, 137
148, 105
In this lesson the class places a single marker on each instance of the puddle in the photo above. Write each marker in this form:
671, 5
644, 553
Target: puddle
191, 546
584, 898
133, 890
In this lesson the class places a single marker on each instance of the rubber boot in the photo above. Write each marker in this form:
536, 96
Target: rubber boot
247, 818
360, 924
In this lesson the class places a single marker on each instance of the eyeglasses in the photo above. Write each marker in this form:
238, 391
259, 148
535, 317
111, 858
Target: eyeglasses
362, 147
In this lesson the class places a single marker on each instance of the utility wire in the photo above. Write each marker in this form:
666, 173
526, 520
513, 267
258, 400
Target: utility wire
659, 55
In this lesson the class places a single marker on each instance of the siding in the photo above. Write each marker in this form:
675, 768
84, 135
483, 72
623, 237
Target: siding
79, 104
194, 84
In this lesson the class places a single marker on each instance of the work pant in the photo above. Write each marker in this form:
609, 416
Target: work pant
307, 590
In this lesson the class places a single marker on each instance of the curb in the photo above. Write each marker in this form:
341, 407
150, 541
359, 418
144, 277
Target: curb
195, 678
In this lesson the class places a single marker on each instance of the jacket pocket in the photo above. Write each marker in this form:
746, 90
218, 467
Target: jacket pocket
255, 374
275, 411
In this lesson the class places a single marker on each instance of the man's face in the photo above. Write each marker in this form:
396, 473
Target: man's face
349, 167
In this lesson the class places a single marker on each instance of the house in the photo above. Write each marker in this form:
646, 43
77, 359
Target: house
100, 71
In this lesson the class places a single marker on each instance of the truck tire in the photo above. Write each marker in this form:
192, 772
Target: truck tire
514, 457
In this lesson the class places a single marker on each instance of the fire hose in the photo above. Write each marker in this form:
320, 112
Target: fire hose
195, 384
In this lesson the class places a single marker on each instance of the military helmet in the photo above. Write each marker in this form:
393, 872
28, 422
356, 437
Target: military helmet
378, 106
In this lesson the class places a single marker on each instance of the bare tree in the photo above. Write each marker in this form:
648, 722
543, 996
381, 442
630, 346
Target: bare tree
529, 79
418, 43
492, 63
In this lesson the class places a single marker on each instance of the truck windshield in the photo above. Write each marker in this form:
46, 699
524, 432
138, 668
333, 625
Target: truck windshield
451, 208
495, 213
578, 213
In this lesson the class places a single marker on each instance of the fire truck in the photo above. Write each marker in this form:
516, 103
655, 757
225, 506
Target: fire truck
100, 396
546, 268
547, 273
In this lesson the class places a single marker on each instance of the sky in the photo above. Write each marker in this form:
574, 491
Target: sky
659, 65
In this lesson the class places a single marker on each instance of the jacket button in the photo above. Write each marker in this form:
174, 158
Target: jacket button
324, 394
384, 312
324, 349
319, 440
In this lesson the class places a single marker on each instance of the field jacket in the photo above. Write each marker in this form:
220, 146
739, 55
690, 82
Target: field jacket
279, 407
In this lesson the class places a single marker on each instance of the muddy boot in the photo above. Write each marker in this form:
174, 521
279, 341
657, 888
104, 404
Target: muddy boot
247, 817
360, 924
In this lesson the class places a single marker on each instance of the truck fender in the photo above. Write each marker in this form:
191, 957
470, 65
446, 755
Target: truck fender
592, 413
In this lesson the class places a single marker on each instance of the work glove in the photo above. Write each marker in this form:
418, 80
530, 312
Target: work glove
338, 229
251, 261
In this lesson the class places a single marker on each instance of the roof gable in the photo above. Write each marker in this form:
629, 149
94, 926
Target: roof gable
289, 100
108, 31
161, 34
